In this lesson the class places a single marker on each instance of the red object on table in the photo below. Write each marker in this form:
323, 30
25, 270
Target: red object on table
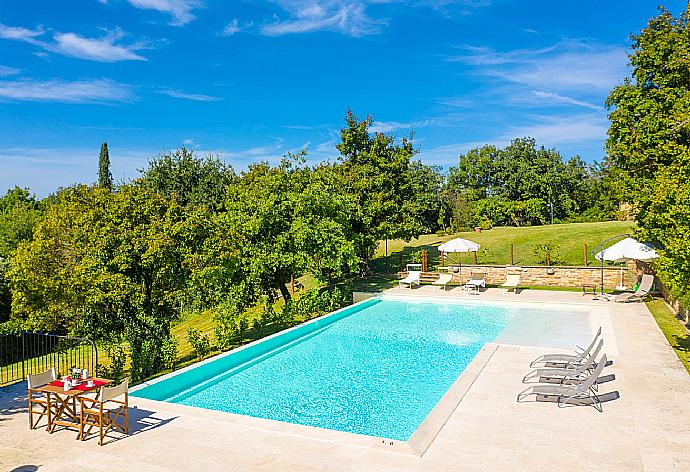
82, 386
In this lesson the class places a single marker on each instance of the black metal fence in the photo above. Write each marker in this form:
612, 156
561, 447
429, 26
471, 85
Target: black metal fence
31, 353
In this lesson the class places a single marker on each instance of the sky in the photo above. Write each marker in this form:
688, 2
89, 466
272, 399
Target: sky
251, 80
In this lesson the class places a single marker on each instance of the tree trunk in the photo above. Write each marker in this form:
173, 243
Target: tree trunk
284, 292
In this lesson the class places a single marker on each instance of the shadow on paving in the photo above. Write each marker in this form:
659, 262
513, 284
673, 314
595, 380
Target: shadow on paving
14, 400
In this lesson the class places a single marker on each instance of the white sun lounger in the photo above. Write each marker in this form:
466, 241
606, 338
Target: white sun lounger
477, 280
411, 279
640, 294
443, 280
565, 375
511, 283
579, 393
581, 355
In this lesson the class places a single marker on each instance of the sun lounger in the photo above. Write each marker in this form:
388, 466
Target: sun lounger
565, 375
579, 393
511, 283
443, 280
640, 294
581, 355
411, 279
477, 280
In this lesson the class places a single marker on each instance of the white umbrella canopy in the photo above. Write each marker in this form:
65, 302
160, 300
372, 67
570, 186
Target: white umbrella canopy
459, 245
627, 250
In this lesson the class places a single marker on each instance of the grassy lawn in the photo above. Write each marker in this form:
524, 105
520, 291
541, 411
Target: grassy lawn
674, 330
495, 244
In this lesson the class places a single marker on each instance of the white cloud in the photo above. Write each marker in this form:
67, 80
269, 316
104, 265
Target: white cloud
556, 98
189, 96
568, 65
566, 129
388, 126
306, 16
19, 33
180, 10
234, 27
82, 91
46, 169
104, 49
5, 71
101, 49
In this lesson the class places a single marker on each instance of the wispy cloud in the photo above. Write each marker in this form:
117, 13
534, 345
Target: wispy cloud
556, 98
82, 91
306, 16
19, 33
568, 65
96, 49
388, 126
104, 49
5, 71
188, 96
180, 10
234, 27
553, 130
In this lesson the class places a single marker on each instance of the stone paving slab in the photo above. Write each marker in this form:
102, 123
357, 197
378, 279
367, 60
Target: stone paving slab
646, 429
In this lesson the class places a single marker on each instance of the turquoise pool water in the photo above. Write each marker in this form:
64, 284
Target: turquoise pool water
377, 368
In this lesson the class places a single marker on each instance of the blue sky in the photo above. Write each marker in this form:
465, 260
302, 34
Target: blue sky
251, 80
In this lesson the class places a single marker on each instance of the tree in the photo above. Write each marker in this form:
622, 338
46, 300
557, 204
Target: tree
290, 220
105, 178
649, 140
189, 179
523, 172
19, 212
378, 175
105, 264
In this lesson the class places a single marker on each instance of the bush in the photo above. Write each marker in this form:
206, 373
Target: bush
169, 353
118, 358
200, 342
547, 252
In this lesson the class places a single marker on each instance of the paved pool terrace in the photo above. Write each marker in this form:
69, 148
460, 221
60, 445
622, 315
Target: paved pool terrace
477, 426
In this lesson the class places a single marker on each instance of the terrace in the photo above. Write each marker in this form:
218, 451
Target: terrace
476, 426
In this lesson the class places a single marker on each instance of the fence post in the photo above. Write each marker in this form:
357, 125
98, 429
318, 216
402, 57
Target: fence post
474, 257
424, 260
443, 259
23, 357
511, 254
584, 252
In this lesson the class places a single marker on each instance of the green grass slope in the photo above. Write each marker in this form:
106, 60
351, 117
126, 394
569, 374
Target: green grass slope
495, 244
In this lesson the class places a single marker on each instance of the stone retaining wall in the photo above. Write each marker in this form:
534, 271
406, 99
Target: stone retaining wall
540, 276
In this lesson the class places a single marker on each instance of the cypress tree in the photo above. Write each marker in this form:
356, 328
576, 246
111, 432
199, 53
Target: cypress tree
105, 178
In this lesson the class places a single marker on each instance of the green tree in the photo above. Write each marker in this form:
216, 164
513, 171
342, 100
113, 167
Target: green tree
105, 178
191, 180
19, 212
383, 182
649, 140
105, 264
290, 220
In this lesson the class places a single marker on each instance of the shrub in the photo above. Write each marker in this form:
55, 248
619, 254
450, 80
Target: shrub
169, 352
546, 252
199, 341
118, 357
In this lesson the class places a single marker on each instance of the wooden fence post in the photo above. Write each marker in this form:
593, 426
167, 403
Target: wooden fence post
443, 259
474, 257
424, 260
511, 254
584, 252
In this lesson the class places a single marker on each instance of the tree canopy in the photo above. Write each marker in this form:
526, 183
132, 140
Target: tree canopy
649, 140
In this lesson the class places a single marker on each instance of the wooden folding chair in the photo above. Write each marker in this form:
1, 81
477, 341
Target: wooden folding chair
38, 399
104, 410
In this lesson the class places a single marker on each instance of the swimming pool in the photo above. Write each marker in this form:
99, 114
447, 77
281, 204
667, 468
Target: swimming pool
376, 368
